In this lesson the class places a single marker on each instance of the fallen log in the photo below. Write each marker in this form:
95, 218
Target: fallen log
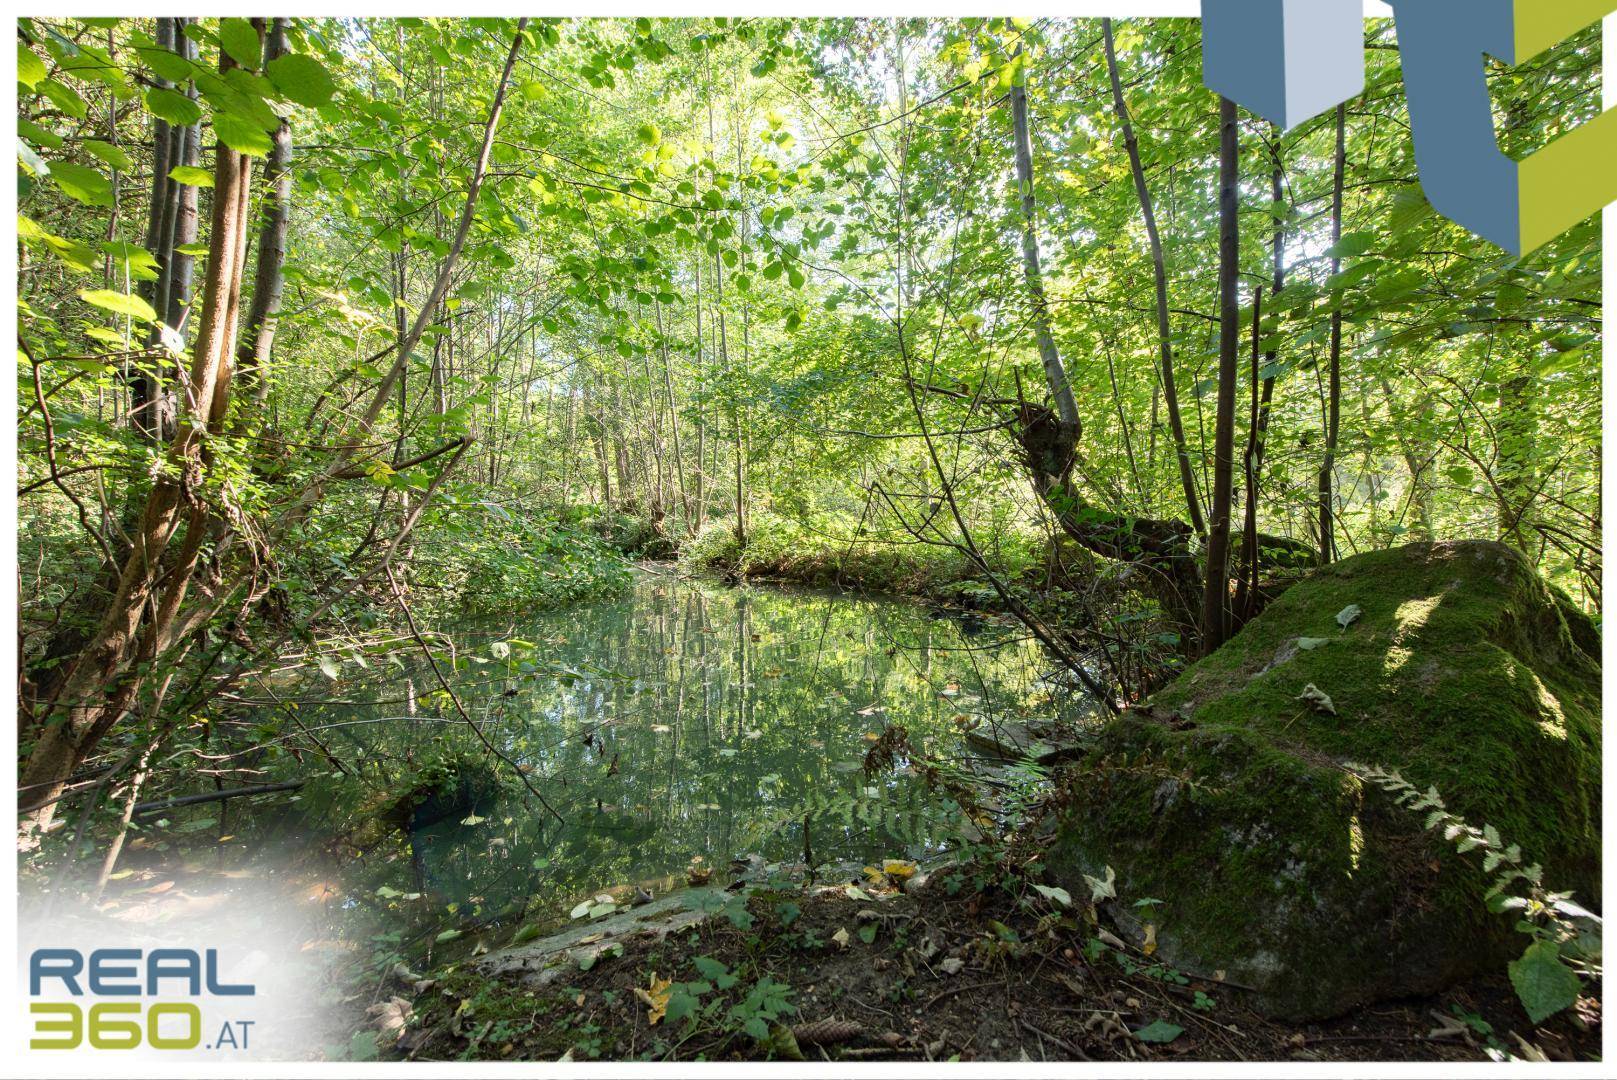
155, 806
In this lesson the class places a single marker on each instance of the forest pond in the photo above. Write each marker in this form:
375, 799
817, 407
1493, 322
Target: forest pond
684, 720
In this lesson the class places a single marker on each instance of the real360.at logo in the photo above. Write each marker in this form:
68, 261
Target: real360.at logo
82, 999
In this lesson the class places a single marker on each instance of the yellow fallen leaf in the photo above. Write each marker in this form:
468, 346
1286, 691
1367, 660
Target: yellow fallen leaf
656, 997
841, 938
1150, 945
898, 868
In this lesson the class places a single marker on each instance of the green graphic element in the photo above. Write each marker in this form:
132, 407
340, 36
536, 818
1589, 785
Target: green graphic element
1519, 205
1289, 60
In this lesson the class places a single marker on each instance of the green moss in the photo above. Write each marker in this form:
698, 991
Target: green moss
1227, 799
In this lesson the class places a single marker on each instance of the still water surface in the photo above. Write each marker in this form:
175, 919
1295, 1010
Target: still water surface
683, 720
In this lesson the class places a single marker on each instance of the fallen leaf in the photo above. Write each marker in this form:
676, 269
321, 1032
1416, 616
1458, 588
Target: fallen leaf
655, 997
1102, 888
952, 965
898, 868
1318, 699
841, 938
1348, 615
1150, 945
1054, 893
391, 1016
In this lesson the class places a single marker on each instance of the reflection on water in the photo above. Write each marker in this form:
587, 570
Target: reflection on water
689, 719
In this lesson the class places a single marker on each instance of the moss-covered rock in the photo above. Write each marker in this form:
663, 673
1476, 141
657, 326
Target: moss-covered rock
1226, 797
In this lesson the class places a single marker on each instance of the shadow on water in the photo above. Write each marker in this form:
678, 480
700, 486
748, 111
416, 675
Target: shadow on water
681, 720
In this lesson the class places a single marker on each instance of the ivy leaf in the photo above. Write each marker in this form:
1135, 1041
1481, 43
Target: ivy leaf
119, 303
302, 79
239, 38
86, 185
1542, 981
176, 109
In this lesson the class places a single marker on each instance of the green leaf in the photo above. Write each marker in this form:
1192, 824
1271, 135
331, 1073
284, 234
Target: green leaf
1159, 1031
448, 935
38, 135
109, 153
650, 134
1544, 984
242, 135
330, 667
64, 98
86, 185
302, 79
119, 303
30, 68
239, 38
166, 64
176, 109
131, 259
191, 175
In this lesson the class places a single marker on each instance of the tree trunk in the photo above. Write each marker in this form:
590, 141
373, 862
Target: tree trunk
1216, 599
1333, 405
1170, 393
101, 682
1048, 439
253, 357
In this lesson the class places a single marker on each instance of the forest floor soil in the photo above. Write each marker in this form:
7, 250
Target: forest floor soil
929, 976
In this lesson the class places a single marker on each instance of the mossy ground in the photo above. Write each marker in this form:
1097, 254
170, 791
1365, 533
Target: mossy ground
1228, 799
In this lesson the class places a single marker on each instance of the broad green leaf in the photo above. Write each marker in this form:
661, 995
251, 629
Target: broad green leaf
302, 79
37, 135
109, 153
191, 175
64, 98
119, 303
1543, 982
173, 107
30, 68
131, 259
84, 184
242, 135
239, 38
167, 64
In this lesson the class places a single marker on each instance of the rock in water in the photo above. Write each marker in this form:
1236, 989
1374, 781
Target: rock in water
1226, 797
